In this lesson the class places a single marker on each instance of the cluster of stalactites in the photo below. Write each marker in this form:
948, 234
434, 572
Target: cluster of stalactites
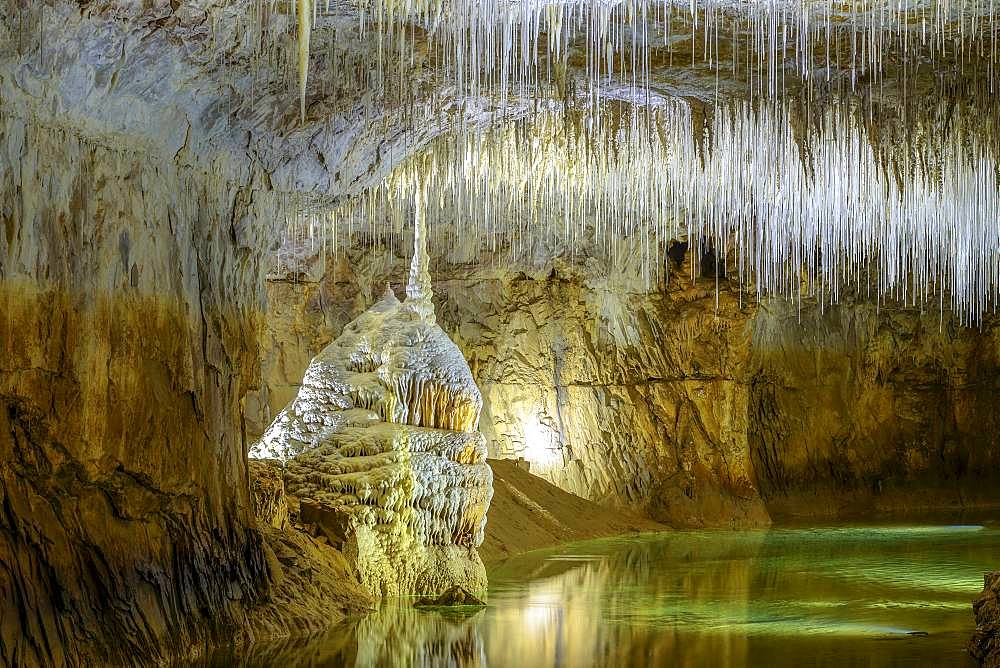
805, 214
306, 16
586, 50
422, 402
419, 401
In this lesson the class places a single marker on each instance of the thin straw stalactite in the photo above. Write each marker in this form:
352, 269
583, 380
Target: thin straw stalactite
827, 147
790, 223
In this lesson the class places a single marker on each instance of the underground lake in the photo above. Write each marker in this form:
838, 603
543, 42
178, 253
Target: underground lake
830, 596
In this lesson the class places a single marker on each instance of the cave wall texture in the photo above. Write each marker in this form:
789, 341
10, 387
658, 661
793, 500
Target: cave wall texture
145, 158
858, 410
129, 335
693, 412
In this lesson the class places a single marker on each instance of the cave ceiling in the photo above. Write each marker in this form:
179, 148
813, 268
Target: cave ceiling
824, 143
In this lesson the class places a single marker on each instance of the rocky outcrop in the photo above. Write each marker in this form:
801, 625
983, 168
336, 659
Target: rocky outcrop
127, 341
381, 448
985, 643
137, 197
125, 534
267, 494
311, 586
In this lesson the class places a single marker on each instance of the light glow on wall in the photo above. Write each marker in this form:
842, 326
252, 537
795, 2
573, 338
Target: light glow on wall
541, 444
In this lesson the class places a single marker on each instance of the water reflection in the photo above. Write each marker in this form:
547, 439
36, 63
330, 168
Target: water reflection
786, 597
395, 636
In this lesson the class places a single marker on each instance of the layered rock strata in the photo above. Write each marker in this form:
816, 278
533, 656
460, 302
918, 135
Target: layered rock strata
128, 337
381, 448
125, 347
147, 155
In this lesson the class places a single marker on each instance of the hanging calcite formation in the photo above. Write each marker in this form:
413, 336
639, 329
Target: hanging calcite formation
524, 49
381, 447
305, 18
418, 289
840, 208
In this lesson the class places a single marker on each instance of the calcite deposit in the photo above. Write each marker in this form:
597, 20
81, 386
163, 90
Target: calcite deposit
381, 447
615, 395
267, 494
153, 153
138, 184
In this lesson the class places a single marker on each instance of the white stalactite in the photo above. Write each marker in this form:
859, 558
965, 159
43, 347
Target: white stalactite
305, 20
805, 207
905, 220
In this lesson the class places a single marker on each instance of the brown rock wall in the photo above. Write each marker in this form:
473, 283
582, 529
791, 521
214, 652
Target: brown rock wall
985, 643
128, 337
617, 396
855, 411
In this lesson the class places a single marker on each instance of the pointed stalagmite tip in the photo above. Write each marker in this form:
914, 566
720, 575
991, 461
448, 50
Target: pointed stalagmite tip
419, 295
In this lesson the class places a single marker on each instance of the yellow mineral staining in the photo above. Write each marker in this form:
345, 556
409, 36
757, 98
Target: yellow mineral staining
368, 397
425, 403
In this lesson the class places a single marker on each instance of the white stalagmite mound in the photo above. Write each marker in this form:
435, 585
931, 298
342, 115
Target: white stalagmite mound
381, 446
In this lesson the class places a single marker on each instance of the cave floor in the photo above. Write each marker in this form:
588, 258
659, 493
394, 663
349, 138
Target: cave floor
895, 595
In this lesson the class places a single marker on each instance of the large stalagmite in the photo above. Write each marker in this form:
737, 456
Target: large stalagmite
382, 447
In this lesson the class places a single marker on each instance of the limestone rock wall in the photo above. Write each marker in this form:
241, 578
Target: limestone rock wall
985, 643
147, 159
622, 398
860, 410
659, 402
615, 395
126, 342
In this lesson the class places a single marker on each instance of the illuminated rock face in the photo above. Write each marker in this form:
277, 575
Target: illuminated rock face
381, 446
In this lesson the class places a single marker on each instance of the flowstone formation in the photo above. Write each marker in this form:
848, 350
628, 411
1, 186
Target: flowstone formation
381, 447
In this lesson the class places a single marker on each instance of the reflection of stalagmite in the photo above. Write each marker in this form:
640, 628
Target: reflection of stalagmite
393, 635
381, 446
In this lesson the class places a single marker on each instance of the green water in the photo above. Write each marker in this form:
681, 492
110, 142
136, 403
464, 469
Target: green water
784, 597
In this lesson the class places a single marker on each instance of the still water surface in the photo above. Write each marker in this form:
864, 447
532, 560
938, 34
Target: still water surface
857, 596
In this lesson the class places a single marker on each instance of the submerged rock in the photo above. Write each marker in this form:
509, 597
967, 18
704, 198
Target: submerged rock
381, 448
985, 643
453, 596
